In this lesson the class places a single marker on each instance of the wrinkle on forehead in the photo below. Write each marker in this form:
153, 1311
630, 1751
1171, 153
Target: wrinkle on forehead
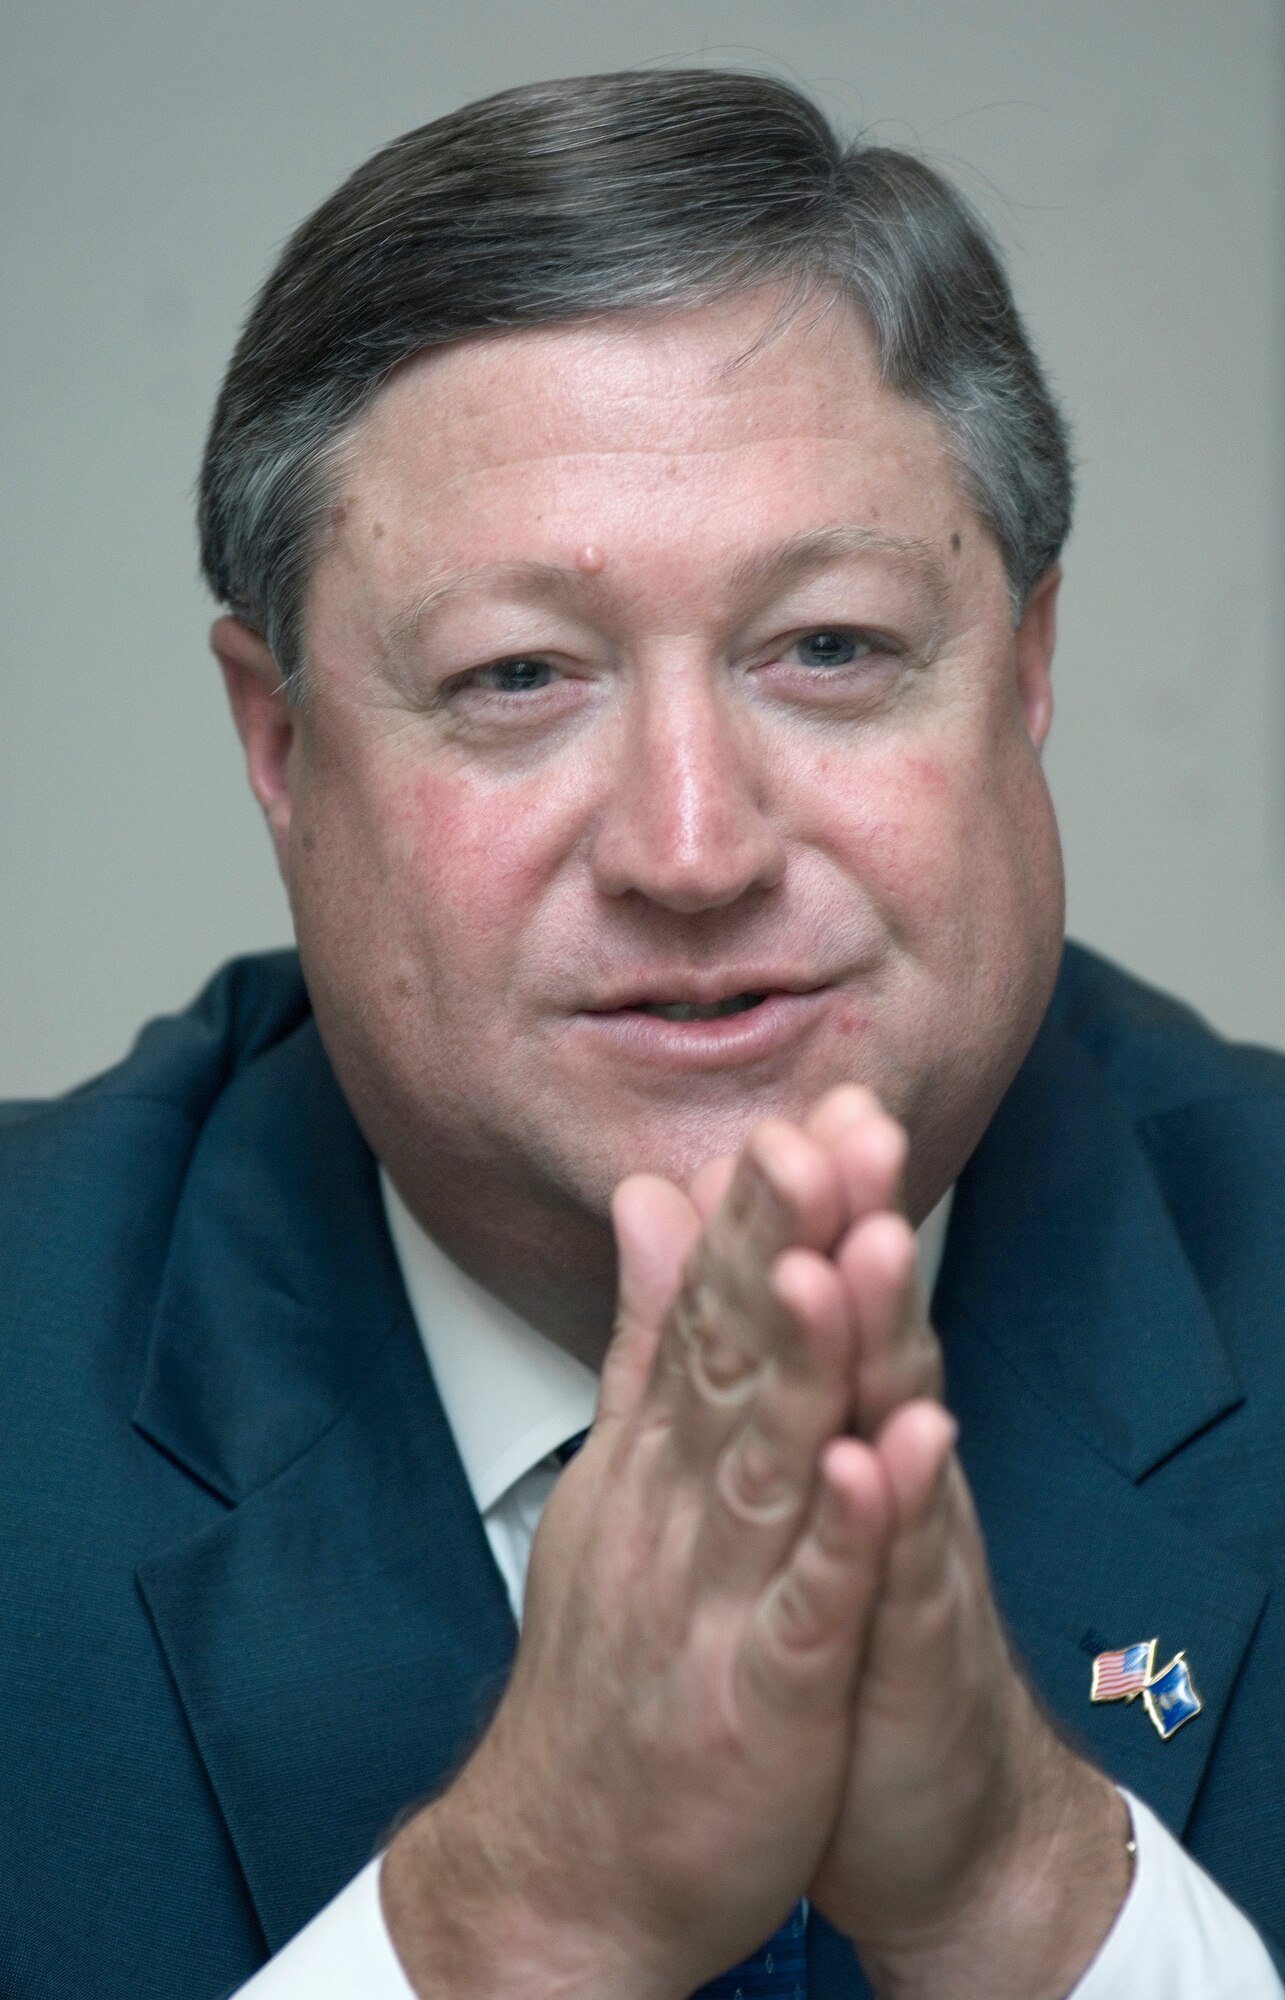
724, 352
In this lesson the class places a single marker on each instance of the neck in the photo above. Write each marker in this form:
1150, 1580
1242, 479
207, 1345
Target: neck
553, 1266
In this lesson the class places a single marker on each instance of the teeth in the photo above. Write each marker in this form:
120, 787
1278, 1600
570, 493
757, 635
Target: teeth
691, 1010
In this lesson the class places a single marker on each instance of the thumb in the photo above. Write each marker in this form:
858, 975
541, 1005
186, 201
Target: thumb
657, 1229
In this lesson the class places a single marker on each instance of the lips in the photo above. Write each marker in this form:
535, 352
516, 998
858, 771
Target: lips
732, 1024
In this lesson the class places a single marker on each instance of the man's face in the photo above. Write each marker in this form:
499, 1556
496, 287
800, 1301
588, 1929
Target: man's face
668, 756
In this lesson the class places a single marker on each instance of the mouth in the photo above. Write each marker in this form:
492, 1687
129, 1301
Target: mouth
695, 1010
678, 1027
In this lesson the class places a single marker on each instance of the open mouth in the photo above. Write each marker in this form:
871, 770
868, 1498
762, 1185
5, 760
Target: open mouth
648, 1030
692, 1010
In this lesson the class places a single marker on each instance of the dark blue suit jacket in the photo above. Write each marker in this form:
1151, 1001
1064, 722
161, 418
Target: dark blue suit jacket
247, 1608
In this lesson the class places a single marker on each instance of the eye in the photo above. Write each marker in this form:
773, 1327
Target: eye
520, 676
833, 646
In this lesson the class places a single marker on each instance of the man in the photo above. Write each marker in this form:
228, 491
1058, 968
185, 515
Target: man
639, 522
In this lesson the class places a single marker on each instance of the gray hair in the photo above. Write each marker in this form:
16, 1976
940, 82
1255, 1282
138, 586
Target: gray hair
608, 194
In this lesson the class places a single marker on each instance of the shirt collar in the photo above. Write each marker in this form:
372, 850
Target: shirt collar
511, 1395
930, 1241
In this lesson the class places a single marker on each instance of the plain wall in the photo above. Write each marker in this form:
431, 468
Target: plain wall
1129, 158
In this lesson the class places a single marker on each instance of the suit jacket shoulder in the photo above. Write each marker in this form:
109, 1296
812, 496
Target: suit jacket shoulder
1210, 1116
247, 1607
122, 1877
1156, 1052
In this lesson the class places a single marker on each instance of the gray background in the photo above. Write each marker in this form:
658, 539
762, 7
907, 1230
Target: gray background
1129, 157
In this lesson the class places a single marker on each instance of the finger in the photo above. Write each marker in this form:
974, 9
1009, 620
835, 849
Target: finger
710, 1183
656, 1231
869, 1147
915, 1449
915, 1636
871, 1161
933, 1540
808, 1639
726, 1319
898, 1357
839, 1111
783, 1191
936, 1615
766, 1473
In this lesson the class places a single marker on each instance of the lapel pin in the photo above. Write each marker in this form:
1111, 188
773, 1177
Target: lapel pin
1170, 1699
1123, 1675
1169, 1696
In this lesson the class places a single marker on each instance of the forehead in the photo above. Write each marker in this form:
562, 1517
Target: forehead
694, 437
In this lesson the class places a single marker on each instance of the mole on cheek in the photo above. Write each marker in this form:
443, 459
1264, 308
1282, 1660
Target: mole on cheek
590, 560
377, 532
955, 543
850, 1021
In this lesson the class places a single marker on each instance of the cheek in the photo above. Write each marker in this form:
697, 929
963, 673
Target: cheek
895, 821
474, 863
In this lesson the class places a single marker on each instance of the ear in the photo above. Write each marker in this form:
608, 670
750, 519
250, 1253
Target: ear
265, 718
1033, 648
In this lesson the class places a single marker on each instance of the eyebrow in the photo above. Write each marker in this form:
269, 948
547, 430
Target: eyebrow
803, 555
791, 562
521, 579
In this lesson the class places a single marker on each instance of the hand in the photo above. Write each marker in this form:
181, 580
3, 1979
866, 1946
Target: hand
973, 1853
662, 1774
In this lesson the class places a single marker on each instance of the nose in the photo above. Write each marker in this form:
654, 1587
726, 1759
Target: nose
686, 824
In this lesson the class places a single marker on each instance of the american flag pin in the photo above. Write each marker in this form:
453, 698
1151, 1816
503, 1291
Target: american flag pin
1170, 1697
1122, 1675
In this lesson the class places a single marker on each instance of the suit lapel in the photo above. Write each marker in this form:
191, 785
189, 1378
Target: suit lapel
1081, 1357
337, 1638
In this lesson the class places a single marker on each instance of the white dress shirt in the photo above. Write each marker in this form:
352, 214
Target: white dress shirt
511, 1397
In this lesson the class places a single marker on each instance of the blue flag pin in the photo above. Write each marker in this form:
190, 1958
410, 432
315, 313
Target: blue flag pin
1170, 1697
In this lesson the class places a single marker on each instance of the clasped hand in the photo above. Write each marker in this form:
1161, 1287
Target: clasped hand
760, 1654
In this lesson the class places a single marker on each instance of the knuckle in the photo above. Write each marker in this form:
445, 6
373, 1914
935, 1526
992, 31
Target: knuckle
797, 1626
717, 1357
755, 1483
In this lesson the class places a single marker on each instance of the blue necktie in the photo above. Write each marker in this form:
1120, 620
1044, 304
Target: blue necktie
564, 1453
778, 1970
